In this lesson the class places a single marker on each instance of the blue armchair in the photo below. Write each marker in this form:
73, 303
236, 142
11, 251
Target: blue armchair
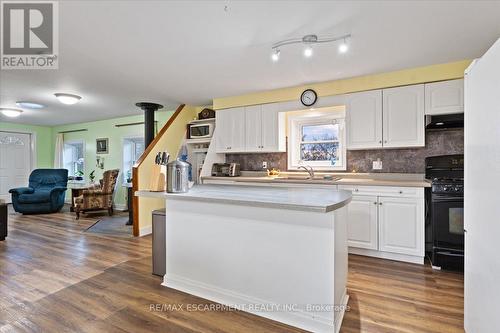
44, 194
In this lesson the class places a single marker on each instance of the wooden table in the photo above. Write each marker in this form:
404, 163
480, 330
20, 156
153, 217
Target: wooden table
76, 190
130, 196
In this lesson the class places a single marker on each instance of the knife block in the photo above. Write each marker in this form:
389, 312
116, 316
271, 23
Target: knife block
158, 178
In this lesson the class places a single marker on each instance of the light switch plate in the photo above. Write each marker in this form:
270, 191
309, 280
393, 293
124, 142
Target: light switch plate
377, 165
264, 165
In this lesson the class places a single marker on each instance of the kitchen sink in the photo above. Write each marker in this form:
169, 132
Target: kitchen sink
306, 178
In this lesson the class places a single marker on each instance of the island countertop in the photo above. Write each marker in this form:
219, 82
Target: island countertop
302, 199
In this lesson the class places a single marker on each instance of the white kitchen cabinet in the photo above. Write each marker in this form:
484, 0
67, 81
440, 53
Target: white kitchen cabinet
403, 116
444, 97
264, 127
386, 222
253, 128
364, 120
230, 134
362, 229
401, 227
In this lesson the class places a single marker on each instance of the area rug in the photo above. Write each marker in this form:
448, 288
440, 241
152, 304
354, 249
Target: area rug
112, 226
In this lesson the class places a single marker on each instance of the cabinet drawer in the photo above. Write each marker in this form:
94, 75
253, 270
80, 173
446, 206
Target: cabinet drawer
388, 191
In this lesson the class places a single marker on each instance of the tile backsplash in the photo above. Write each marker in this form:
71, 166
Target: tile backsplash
408, 160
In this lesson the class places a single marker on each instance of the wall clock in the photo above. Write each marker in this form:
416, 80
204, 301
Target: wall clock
308, 97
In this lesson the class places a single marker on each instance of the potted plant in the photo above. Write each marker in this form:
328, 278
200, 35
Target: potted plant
92, 176
79, 175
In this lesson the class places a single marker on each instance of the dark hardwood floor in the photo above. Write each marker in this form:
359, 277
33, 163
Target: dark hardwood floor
54, 277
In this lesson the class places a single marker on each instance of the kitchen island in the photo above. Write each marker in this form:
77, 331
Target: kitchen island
280, 253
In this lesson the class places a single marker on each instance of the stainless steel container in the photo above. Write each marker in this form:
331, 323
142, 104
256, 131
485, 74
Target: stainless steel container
178, 176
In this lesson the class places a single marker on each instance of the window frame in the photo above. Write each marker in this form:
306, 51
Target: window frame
129, 140
323, 116
74, 142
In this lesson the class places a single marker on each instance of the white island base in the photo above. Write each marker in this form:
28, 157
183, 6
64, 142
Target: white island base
282, 263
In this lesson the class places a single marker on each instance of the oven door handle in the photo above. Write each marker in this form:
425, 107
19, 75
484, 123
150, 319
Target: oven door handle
446, 198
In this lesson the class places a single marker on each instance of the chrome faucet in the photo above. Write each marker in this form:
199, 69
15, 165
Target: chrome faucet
309, 170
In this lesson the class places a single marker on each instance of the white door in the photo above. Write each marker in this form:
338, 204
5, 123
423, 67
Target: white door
253, 128
15, 162
403, 116
401, 225
362, 229
230, 135
481, 198
444, 97
364, 120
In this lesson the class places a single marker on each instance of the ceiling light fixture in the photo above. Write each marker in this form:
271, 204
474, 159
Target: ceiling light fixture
308, 40
308, 52
12, 113
275, 56
29, 105
68, 99
343, 47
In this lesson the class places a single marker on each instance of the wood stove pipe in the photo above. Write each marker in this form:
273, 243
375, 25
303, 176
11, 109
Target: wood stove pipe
149, 120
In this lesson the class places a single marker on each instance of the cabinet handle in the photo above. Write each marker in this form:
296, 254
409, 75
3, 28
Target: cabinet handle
380, 203
380, 141
400, 192
375, 203
385, 141
356, 190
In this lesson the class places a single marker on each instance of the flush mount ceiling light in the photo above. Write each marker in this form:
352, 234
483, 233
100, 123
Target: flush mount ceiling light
308, 41
29, 105
11, 112
68, 99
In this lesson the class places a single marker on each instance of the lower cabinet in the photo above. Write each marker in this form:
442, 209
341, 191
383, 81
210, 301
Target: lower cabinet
386, 222
362, 229
401, 226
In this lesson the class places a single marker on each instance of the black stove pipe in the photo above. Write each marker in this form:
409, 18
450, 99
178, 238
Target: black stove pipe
149, 120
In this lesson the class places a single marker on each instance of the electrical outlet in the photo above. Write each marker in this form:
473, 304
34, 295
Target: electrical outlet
377, 165
264, 165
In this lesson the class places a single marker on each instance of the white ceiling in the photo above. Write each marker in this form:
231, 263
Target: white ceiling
116, 53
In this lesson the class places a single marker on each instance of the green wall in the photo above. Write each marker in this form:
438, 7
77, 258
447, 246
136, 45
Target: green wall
107, 129
45, 141
43, 135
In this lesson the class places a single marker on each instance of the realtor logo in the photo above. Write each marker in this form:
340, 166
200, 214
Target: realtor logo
29, 38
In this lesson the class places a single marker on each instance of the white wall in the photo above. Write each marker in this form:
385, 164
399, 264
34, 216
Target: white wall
482, 196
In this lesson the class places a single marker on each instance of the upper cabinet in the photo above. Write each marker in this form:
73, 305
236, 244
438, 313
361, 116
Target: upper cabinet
403, 116
387, 118
364, 120
230, 130
444, 97
257, 128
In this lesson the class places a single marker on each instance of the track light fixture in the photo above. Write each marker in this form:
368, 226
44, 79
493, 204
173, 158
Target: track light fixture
308, 41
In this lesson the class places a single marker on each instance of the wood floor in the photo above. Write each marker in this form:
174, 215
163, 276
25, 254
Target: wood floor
56, 278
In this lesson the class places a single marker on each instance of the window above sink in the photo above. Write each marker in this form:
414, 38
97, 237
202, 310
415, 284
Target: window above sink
317, 139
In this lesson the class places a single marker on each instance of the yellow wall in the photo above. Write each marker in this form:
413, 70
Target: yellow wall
449, 71
171, 142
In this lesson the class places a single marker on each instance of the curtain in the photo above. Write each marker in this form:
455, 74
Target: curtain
59, 152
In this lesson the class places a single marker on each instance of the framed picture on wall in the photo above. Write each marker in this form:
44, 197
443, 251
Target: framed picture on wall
102, 146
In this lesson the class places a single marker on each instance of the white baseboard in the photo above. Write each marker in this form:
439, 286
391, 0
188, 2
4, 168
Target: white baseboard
145, 231
387, 255
300, 319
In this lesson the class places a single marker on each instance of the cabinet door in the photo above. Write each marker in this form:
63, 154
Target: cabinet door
253, 128
444, 97
364, 120
273, 129
230, 130
362, 228
403, 116
401, 225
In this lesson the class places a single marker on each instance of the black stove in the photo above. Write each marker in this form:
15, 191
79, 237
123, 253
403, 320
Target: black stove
444, 211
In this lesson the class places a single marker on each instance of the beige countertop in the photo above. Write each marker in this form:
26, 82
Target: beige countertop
302, 199
366, 179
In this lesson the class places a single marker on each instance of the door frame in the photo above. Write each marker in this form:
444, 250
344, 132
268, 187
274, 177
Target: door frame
33, 146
